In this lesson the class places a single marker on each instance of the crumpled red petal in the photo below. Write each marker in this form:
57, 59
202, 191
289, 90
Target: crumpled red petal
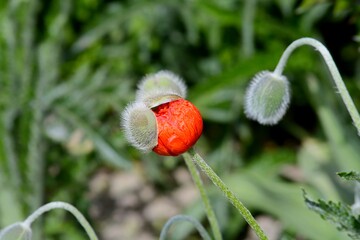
179, 127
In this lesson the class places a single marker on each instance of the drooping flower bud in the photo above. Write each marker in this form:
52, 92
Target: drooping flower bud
267, 98
17, 230
140, 126
179, 127
161, 87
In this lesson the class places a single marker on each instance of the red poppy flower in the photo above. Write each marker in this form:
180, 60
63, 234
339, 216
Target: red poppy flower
161, 119
179, 126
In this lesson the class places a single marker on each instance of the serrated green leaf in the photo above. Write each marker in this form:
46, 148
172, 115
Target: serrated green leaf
258, 188
349, 175
337, 213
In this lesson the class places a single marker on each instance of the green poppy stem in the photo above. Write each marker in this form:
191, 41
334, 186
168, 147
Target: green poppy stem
68, 207
203, 233
324, 52
208, 209
228, 193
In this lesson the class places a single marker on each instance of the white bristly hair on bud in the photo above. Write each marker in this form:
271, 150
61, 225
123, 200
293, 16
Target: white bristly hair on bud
267, 98
140, 126
158, 88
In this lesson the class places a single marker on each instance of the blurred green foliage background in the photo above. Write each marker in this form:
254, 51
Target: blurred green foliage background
68, 69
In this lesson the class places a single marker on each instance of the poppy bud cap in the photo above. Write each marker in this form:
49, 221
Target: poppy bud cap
161, 87
140, 126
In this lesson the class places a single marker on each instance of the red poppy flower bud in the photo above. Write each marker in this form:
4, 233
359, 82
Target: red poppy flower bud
161, 119
179, 126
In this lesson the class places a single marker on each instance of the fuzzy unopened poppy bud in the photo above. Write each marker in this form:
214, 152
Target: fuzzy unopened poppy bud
161, 87
267, 98
17, 230
140, 126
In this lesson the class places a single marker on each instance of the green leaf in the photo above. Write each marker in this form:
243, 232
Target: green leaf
337, 213
349, 175
103, 146
10, 207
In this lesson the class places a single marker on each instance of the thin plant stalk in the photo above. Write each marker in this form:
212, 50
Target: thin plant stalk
209, 210
68, 207
177, 218
333, 71
228, 193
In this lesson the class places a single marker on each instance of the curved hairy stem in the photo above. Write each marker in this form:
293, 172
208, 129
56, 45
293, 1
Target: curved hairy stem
68, 207
178, 218
333, 71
